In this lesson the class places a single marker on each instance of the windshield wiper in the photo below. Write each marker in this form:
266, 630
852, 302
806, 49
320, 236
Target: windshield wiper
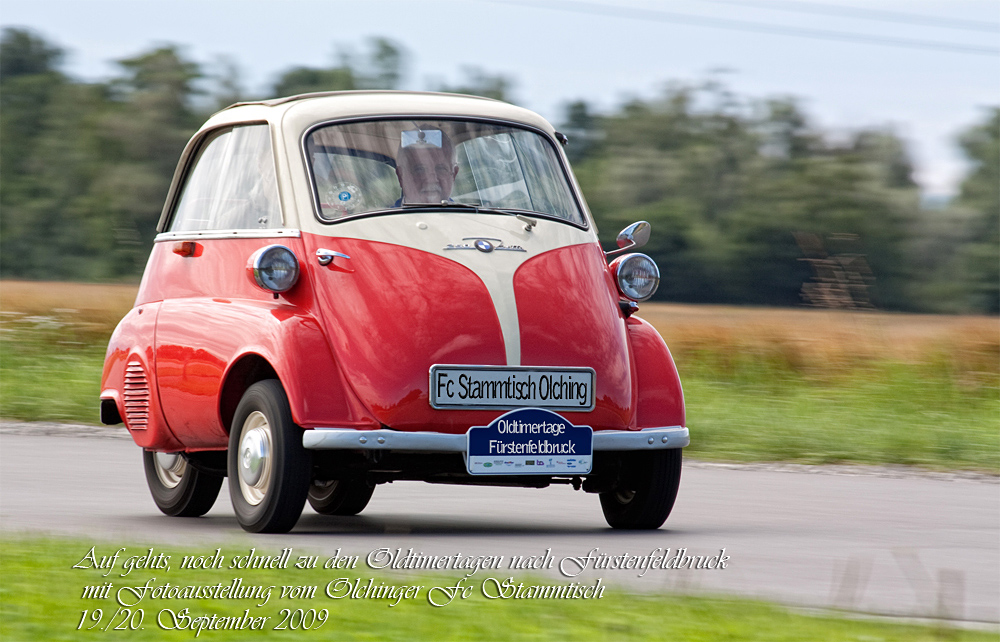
478, 209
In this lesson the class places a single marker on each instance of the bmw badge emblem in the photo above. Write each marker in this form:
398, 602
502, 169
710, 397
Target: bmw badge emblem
483, 245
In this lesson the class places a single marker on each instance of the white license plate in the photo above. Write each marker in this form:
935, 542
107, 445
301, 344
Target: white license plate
510, 387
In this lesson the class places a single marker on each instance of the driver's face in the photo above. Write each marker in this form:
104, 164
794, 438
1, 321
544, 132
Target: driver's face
426, 175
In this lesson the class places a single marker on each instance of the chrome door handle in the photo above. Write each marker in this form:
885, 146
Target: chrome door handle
325, 257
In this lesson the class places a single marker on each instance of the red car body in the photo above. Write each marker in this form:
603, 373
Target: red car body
351, 343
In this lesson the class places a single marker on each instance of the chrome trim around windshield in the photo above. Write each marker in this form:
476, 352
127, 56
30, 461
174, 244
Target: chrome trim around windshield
228, 234
351, 439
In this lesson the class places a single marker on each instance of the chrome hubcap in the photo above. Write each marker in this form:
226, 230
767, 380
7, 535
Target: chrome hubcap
170, 468
255, 458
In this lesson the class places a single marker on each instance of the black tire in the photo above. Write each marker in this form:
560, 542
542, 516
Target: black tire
340, 496
268, 490
177, 488
646, 490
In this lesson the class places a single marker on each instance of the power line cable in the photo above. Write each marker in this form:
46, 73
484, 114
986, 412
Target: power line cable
657, 15
866, 14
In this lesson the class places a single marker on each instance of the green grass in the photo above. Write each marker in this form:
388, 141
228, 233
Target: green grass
744, 408
50, 370
885, 414
40, 599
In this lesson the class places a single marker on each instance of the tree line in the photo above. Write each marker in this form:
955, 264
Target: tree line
750, 203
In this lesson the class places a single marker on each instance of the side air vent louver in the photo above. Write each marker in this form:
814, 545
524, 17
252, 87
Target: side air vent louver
136, 396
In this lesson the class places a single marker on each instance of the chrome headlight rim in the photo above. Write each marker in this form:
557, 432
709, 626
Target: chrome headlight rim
621, 267
260, 267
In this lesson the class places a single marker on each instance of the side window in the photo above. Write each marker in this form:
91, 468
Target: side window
231, 185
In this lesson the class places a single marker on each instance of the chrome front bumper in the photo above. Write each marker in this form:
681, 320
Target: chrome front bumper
350, 439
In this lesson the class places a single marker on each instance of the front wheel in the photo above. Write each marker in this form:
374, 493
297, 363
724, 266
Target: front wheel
268, 466
178, 489
645, 491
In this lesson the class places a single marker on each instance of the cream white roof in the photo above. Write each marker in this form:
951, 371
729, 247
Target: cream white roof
297, 113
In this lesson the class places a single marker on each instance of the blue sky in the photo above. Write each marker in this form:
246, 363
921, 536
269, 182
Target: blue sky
559, 50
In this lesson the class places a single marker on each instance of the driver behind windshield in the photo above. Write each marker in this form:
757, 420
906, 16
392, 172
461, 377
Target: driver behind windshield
425, 166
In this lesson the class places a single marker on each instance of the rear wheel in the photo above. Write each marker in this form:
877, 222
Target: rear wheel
339, 496
645, 491
268, 466
178, 489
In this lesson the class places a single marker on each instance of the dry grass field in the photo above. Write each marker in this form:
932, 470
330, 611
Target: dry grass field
93, 305
821, 333
816, 341
802, 337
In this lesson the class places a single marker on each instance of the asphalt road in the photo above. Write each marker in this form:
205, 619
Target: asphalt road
920, 546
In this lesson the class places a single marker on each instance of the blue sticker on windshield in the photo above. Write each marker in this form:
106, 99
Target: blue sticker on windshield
344, 196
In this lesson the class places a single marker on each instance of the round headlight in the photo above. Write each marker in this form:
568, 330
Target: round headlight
637, 276
275, 268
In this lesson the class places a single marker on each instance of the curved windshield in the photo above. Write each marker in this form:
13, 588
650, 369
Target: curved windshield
383, 165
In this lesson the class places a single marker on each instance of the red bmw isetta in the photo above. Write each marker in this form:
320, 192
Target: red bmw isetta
353, 288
